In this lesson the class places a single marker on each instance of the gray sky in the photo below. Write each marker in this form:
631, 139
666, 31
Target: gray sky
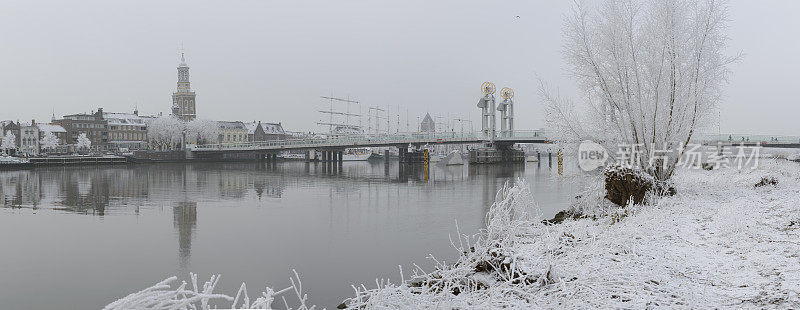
271, 60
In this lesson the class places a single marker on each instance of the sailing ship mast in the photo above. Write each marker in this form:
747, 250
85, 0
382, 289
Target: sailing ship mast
347, 114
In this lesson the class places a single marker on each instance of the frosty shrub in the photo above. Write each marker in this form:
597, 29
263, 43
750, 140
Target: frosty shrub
162, 296
767, 180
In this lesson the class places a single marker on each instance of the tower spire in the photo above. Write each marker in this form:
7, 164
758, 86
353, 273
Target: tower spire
183, 104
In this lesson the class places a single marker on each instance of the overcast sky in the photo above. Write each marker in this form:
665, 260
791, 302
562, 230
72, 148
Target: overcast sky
271, 60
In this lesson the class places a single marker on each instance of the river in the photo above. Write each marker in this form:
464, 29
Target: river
81, 237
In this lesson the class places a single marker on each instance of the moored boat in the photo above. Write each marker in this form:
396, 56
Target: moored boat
357, 154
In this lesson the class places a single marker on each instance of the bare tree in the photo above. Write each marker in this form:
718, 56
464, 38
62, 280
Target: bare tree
651, 73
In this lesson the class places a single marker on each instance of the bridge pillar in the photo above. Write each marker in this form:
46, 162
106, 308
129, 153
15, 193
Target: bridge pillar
308, 156
341, 156
324, 156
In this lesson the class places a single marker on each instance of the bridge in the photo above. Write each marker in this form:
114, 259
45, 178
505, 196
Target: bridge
495, 145
380, 140
333, 146
337, 144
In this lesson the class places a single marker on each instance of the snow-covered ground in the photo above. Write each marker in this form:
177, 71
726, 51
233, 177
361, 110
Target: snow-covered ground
720, 242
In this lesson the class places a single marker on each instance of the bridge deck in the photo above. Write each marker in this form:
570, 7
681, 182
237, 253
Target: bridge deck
527, 136
352, 141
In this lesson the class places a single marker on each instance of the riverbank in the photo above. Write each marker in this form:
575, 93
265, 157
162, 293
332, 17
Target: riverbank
720, 242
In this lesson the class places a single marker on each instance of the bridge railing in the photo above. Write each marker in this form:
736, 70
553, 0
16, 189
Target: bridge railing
369, 139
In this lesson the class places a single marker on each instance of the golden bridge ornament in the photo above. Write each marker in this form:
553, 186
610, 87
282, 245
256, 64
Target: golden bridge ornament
488, 88
507, 93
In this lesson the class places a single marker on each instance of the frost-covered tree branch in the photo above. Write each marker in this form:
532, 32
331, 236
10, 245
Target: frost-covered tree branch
9, 141
165, 132
50, 141
83, 142
651, 73
202, 131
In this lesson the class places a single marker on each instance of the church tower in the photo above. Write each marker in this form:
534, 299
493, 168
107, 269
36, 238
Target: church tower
183, 104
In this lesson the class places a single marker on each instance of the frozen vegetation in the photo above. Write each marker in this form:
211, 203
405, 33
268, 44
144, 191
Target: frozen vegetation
184, 296
722, 241
50, 142
83, 142
9, 141
650, 73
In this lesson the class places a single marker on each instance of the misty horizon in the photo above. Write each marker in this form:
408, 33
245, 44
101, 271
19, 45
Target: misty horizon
271, 61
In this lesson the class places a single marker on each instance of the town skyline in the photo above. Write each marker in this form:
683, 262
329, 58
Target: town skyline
270, 57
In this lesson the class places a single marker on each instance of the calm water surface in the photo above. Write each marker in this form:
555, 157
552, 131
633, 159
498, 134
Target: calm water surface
81, 237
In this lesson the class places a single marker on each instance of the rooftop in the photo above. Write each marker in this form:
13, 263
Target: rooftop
124, 119
231, 125
50, 128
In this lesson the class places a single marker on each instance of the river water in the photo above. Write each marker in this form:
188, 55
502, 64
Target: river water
81, 237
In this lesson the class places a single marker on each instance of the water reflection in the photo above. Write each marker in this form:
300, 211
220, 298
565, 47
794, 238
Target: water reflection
99, 190
184, 218
340, 224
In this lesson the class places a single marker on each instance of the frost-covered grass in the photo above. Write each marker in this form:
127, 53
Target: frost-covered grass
163, 296
720, 242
